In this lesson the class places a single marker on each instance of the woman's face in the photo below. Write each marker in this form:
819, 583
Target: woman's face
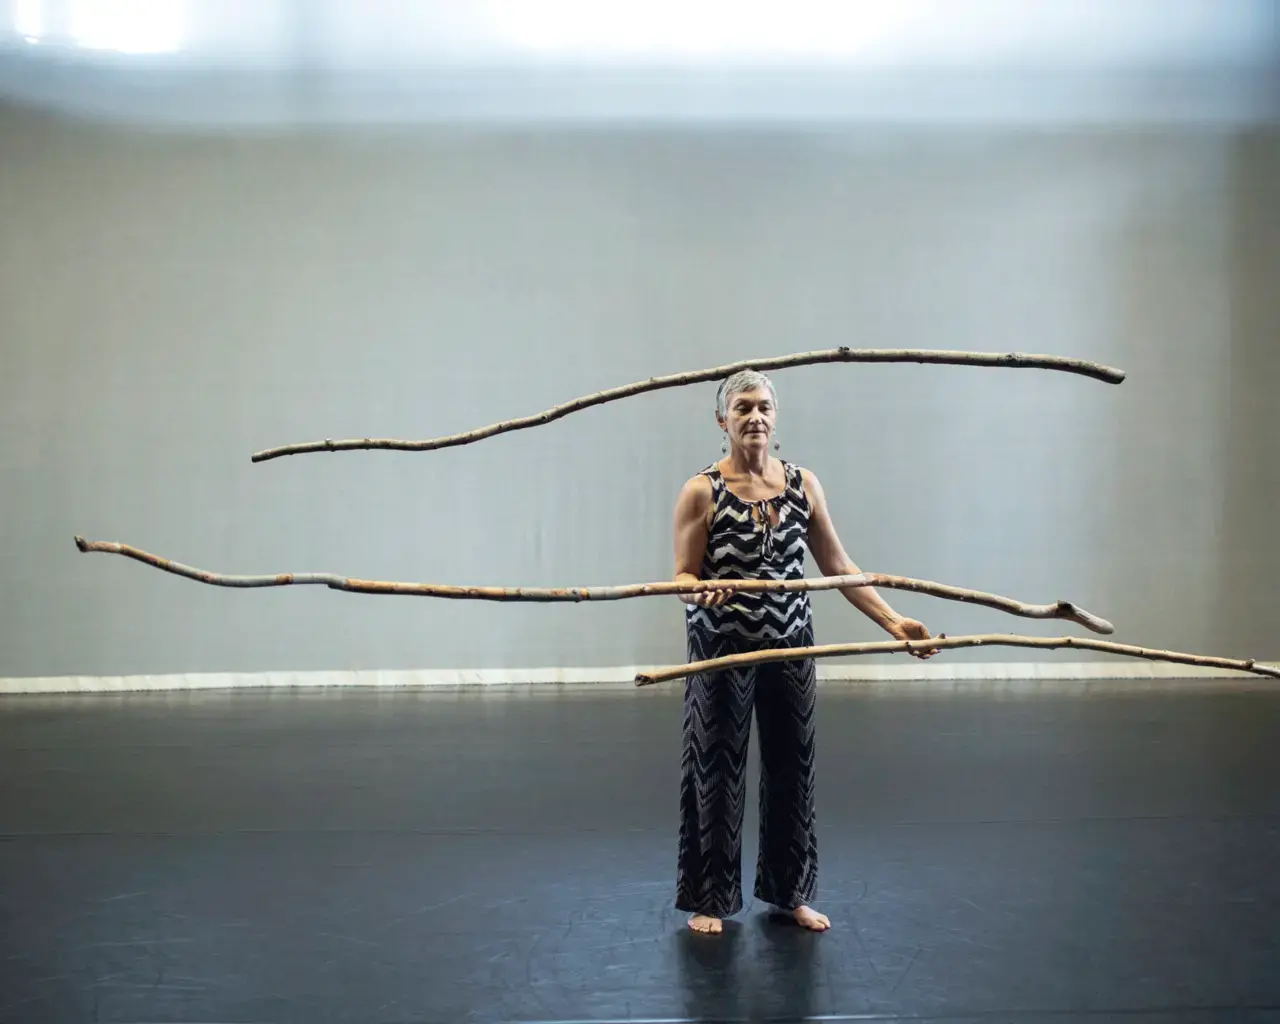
750, 417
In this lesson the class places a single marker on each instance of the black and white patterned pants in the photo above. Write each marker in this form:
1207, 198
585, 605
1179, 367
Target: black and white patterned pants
717, 729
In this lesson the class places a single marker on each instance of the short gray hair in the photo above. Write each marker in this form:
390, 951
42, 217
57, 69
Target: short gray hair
743, 380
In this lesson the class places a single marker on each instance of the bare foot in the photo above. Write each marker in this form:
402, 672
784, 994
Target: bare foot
709, 925
807, 917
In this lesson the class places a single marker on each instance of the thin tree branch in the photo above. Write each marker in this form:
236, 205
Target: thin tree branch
1057, 610
1015, 360
948, 643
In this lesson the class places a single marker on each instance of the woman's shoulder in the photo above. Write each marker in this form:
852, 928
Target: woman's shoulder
802, 480
707, 478
702, 484
796, 472
696, 498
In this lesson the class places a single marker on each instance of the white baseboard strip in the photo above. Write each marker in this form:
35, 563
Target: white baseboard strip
1002, 675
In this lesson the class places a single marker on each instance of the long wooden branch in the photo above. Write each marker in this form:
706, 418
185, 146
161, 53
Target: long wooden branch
1014, 360
1057, 610
948, 643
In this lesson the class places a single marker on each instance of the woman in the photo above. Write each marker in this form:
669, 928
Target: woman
750, 516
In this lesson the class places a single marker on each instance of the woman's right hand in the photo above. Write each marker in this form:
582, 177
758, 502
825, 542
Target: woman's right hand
722, 593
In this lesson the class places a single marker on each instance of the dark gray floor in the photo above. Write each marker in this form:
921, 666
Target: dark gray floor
356, 856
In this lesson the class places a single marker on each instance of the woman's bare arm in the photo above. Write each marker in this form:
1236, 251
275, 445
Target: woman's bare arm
833, 560
692, 528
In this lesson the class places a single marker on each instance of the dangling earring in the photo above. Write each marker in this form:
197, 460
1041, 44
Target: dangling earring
724, 445
777, 445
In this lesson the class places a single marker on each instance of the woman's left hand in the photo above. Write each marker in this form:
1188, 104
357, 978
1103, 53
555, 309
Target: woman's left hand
910, 629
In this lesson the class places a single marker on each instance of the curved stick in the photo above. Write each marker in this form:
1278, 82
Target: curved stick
1016, 360
1057, 610
945, 643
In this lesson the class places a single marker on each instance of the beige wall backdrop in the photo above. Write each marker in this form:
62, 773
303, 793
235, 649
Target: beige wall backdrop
169, 305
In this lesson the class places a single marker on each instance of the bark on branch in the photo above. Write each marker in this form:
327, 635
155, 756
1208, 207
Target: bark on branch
1057, 610
949, 643
1015, 360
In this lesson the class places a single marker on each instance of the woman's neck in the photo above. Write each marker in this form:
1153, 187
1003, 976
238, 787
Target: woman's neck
748, 464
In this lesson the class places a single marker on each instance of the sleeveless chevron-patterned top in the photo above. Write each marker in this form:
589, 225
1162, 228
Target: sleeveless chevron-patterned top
744, 544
